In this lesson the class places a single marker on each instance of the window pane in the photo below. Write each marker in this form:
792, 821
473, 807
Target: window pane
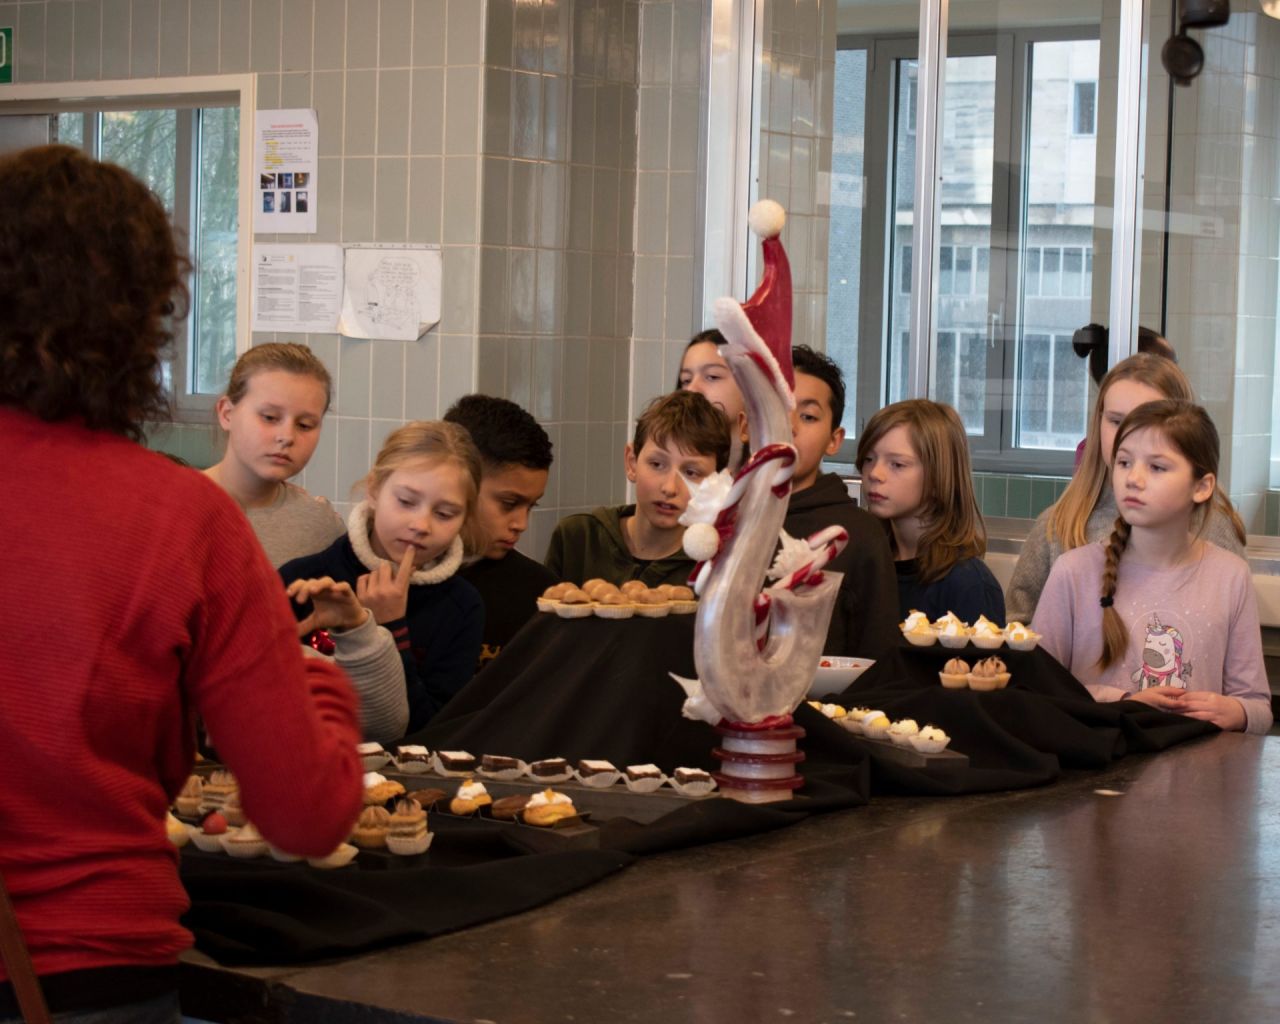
214, 329
69, 130
144, 142
945, 277
972, 399
904, 284
1086, 96
904, 180
963, 268
1035, 387
945, 391
1051, 271
844, 260
1070, 393
1032, 266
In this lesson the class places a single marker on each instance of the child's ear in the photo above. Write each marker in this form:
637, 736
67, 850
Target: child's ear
223, 408
837, 439
744, 432
1204, 488
629, 460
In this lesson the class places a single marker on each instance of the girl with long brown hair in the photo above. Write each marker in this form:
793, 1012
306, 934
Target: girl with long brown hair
1157, 614
1086, 511
914, 459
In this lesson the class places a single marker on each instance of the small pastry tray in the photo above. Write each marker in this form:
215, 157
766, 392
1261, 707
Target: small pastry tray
943, 761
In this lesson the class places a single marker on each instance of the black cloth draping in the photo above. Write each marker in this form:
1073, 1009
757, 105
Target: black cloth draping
595, 688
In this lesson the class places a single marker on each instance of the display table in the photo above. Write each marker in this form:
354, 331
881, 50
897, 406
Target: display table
1054, 903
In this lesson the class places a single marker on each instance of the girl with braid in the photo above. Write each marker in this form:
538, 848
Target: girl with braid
1156, 613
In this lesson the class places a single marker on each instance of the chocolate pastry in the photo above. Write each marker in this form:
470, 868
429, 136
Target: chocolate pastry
456, 760
551, 766
428, 798
509, 807
636, 772
686, 775
595, 767
497, 763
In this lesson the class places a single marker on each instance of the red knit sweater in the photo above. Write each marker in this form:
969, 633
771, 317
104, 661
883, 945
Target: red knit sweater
135, 595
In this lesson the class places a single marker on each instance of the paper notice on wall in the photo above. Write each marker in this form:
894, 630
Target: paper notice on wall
285, 148
390, 291
297, 288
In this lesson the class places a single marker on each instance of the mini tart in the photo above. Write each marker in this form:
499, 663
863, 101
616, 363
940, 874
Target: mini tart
875, 725
930, 740
683, 601
902, 731
952, 632
188, 801
833, 711
208, 836
471, 797
600, 588
1020, 638
986, 634
915, 621
595, 581
548, 807
371, 828
955, 674
576, 604
407, 833
245, 842
615, 605
339, 858
989, 674
552, 595
651, 605
922, 636
221, 784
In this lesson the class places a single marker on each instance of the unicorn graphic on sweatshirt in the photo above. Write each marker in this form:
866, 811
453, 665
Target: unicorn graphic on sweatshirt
1162, 661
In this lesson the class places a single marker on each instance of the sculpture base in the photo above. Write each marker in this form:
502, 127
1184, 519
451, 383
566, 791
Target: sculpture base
758, 760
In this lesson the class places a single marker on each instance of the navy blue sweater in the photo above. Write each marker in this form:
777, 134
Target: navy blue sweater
439, 637
969, 589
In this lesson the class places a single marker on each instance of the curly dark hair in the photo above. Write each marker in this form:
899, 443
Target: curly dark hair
91, 281
504, 433
818, 364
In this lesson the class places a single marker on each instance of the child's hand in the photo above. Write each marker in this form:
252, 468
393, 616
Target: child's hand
1224, 712
386, 593
1163, 698
334, 605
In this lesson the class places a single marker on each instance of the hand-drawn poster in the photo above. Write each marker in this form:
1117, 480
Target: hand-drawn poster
390, 291
297, 288
285, 161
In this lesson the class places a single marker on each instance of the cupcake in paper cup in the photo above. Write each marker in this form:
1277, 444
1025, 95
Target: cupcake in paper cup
955, 674
853, 720
875, 725
245, 842
989, 674
986, 634
918, 630
930, 740
1020, 638
903, 731
952, 632
339, 858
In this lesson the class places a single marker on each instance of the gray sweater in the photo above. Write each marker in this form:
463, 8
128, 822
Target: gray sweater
369, 656
296, 525
1040, 551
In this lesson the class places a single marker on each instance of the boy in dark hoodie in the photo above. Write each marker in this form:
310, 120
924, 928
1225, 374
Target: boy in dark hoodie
865, 621
681, 437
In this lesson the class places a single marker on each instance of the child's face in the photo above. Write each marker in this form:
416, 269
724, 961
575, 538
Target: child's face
1121, 399
423, 505
1154, 483
893, 476
659, 473
275, 426
704, 370
812, 429
507, 495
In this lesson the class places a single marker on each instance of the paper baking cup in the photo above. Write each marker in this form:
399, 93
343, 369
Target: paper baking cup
614, 611
1027, 644
852, 724
653, 611
644, 785
205, 843
372, 762
921, 639
953, 642
340, 858
900, 740
545, 604
987, 643
440, 769
416, 767
598, 780
253, 848
693, 788
925, 746
684, 607
954, 681
985, 684
409, 846
563, 776
282, 856
876, 732
574, 611
505, 774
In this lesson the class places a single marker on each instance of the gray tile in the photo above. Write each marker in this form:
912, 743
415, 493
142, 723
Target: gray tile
496, 131
521, 287
608, 103
329, 52
395, 34
526, 114
59, 38
604, 466
682, 319
234, 29
520, 371
656, 24
555, 35
498, 33
650, 293
555, 118
687, 44
351, 393
462, 111
628, 114
580, 207
265, 37
495, 202
552, 219
88, 39
682, 214
626, 211
427, 132
426, 197
460, 186
354, 456
421, 373
526, 52
328, 95
359, 126
577, 293
571, 464
393, 112
494, 300
295, 91
357, 199
268, 92
295, 48
28, 62
575, 379
582, 118
524, 203
144, 49
604, 275
544, 397
465, 32
549, 313
387, 379
115, 39
458, 288
653, 145
428, 40
457, 369
685, 131
604, 218
391, 217
326, 193
361, 35
491, 365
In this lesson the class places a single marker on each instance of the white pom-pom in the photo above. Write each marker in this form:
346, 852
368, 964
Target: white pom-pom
701, 542
767, 218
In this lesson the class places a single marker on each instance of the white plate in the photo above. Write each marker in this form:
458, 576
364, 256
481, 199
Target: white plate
838, 676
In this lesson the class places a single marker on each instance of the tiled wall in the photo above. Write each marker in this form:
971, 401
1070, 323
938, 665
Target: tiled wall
796, 102
1017, 496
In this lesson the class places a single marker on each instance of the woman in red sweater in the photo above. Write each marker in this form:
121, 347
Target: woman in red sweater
137, 597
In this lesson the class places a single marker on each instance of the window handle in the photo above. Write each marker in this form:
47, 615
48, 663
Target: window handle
993, 326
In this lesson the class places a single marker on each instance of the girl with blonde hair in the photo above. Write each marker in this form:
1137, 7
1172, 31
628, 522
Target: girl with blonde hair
1155, 614
914, 459
398, 561
1087, 509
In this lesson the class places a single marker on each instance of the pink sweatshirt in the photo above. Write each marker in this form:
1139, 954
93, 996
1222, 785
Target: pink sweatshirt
1194, 626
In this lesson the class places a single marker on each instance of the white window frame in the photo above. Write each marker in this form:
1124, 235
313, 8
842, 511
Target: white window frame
241, 91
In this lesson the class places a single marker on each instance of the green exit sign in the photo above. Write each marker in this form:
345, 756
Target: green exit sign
6, 55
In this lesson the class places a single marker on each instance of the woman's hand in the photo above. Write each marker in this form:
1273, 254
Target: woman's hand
1224, 712
385, 591
333, 605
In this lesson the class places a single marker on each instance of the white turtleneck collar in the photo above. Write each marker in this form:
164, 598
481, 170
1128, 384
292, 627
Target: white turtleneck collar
358, 529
